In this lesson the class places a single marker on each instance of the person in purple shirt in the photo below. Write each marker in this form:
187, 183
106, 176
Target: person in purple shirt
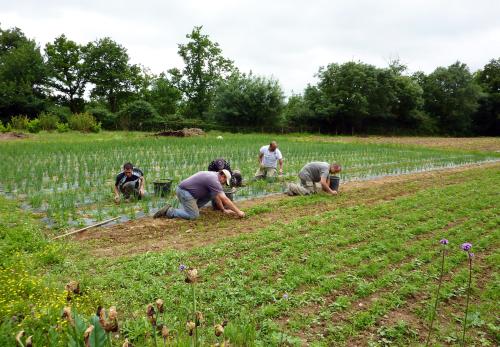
196, 191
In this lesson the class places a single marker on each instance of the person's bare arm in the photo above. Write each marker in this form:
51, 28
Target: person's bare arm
225, 201
260, 158
218, 201
142, 182
281, 166
325, 185
117, 193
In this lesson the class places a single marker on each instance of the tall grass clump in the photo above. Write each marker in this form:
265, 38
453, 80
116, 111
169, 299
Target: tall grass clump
48, 121
84, 122
19, 122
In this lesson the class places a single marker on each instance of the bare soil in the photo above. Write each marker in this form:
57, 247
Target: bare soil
148, 234
12, 136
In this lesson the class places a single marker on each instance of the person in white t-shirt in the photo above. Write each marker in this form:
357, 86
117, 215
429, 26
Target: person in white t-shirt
269, 157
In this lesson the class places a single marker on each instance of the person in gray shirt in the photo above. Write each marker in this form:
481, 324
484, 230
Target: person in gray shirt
312, 173
196, 191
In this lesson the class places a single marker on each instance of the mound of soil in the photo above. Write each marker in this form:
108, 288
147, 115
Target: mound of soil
12, 136
186, 132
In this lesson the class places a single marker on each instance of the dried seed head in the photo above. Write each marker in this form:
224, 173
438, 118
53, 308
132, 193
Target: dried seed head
73, 287
199, 318
159, 305
190, 326
192, 276
151, 315
111, 325
219, 330
164, 331
20, 335
101, 313
126, 343
86, 335
113, 315
29, 342
150, 311
67, 315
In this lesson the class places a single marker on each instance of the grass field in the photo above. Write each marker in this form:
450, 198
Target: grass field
358, 269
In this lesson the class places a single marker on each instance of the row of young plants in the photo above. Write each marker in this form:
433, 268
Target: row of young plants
83, 122
391, 254
69, 177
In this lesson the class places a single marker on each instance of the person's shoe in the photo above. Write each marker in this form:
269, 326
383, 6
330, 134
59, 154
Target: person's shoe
162, 212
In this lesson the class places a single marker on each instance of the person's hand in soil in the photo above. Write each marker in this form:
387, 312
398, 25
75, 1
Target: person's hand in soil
227, 211
117, 199
241, 214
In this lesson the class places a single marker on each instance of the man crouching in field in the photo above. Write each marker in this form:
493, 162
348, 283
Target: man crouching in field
312, 173
129, 182
196, 191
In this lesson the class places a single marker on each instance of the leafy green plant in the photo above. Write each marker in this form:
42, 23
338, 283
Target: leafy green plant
83, 122
34, 126
19, 122
48, 121
62, 127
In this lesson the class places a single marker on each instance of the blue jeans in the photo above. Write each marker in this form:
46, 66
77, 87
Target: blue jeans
190, 206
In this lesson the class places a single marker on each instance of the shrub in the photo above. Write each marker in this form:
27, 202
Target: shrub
139, 115
105, 117
62, 112
62, 127
19, 122
84, 122
34, 126
2, 128
48, 121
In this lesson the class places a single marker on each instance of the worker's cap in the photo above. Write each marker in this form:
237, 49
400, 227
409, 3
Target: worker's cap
228, 176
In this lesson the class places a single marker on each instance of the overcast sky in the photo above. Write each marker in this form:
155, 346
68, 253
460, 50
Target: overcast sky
287, 40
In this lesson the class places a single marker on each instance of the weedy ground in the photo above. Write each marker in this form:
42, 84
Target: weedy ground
357, 269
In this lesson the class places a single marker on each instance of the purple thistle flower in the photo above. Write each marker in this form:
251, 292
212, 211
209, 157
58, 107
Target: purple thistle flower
444, 242
466, 246
471, 255
182, 267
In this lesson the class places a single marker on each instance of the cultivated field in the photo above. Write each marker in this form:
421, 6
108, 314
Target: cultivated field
68, 179
358, 269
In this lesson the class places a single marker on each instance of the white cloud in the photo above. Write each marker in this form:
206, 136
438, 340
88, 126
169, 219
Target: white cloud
288, 40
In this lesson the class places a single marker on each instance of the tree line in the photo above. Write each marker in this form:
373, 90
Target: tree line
97, 79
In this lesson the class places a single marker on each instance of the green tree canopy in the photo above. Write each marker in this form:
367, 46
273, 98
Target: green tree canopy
204, 68
108, 69
163, 95
22, 75
66, 69
451, 96
486, 121
248, 101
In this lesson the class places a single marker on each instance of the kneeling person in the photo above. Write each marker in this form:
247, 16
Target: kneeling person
196, 191
313, 173
129, 182
222, 164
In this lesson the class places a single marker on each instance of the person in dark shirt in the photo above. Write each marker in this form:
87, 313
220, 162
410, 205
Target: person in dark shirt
129, 182
222, 164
